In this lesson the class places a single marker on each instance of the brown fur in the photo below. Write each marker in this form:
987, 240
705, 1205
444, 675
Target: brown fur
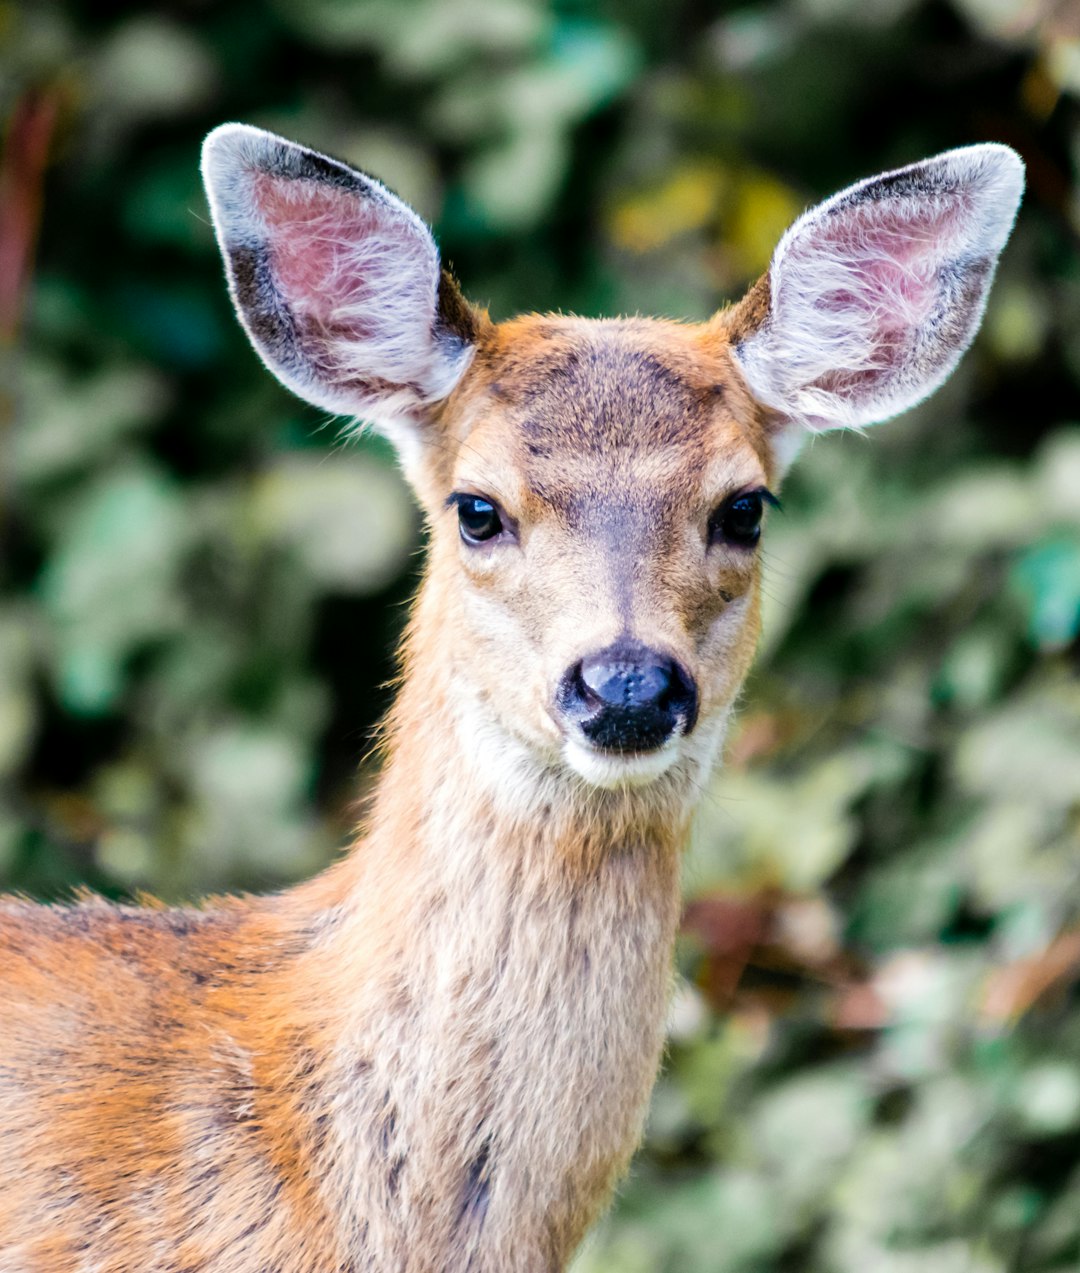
438, 1054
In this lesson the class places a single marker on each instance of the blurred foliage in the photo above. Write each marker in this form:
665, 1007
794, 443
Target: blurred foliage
875, 1044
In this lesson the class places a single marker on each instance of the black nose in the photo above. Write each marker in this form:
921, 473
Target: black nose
628, 698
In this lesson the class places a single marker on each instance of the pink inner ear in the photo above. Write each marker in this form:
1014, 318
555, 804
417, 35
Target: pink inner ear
878, 269
892, 254
330, 250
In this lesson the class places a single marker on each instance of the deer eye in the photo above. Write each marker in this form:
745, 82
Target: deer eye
478, 518
738, 519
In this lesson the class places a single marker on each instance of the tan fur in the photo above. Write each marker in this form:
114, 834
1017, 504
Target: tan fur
438, 1054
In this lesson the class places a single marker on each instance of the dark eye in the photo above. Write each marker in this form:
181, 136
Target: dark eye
738, 520
478, 518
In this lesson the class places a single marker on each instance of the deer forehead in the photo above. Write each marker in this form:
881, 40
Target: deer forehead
607, 420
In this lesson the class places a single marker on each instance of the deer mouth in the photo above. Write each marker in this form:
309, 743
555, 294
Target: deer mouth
609, 768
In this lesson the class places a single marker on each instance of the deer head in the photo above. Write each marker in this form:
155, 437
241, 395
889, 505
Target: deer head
596, 489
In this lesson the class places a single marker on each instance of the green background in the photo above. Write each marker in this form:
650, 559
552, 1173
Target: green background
875, 1056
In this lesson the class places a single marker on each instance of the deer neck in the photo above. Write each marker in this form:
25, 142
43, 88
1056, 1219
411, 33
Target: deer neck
501, 950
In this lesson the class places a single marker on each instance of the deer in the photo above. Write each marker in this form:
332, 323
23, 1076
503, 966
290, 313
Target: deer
437, 1055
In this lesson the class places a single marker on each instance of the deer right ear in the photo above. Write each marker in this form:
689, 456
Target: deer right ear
873, 296
336, 281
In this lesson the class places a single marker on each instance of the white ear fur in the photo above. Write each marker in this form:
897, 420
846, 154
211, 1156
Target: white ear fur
335, 280
876, 293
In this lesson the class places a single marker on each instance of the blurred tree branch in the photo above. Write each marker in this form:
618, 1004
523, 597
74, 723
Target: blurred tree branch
27, 145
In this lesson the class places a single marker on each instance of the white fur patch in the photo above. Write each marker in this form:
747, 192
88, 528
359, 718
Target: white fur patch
334, 278
876, 293
601, 769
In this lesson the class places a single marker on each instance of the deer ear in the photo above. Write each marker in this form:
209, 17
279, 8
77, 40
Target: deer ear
336, 281
873, 296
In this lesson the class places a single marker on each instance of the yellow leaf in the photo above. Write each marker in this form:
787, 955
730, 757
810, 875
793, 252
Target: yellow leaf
685, 201
763, 209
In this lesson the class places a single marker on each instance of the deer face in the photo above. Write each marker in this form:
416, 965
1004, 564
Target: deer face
596, 489
598, 499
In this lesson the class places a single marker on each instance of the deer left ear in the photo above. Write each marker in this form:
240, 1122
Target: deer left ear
873, 296
336, 281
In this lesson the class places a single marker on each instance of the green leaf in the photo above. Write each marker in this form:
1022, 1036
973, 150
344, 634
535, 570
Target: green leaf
346, 517
110, 582
1047, 577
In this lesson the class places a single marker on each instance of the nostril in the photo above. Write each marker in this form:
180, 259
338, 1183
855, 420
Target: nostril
682, 697
615, 682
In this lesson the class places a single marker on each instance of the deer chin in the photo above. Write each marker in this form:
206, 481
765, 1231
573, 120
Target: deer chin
611, 770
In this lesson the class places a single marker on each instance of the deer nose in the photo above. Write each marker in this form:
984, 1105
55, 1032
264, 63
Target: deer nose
628, 698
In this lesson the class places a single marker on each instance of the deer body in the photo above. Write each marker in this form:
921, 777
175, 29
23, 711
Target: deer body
438, 1054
